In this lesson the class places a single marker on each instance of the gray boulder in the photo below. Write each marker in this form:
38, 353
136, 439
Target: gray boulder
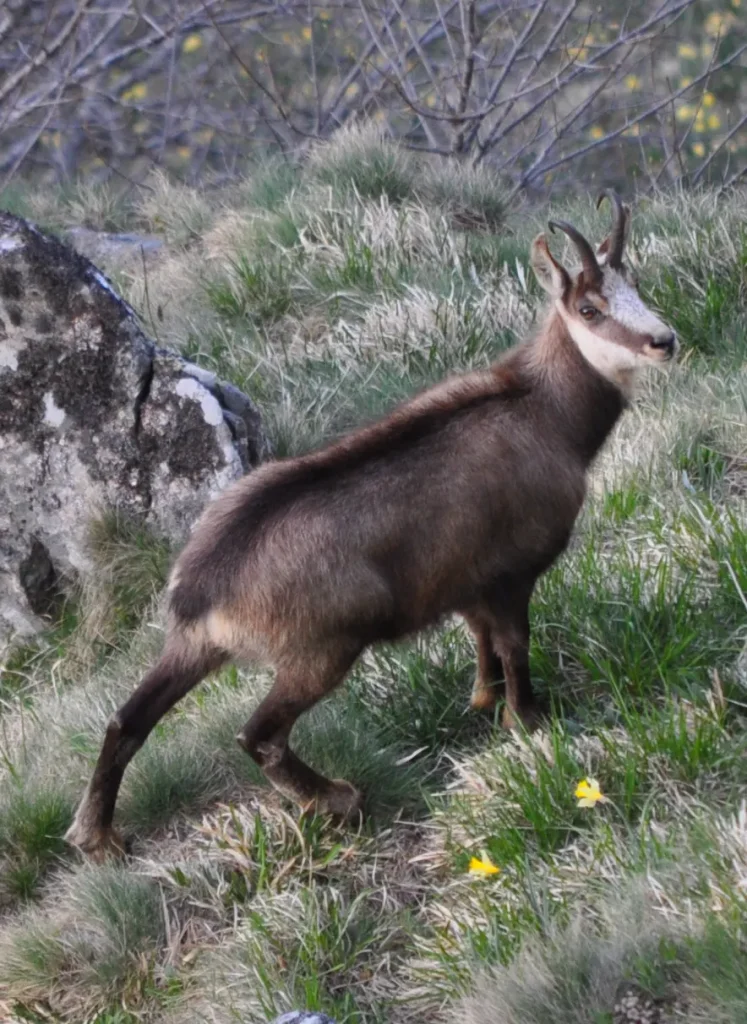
94, 416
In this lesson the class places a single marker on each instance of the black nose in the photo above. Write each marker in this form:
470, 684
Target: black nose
664, 342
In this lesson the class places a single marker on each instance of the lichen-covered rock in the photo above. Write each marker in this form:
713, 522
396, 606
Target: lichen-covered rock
92, 416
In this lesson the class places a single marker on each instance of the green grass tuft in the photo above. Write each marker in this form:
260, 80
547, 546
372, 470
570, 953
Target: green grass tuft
363, 159
33, 822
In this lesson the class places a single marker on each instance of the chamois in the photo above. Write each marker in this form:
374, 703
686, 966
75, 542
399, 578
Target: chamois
454, 503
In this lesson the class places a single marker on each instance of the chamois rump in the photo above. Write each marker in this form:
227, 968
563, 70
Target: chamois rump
456, 502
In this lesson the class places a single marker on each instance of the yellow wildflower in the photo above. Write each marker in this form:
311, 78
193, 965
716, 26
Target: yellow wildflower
483, 867
714, 122
684, 82
191, 43
709, 99
699, 149
597, 132
685, 112
588, 793
633, 82
306, 33
184, 152
687, 50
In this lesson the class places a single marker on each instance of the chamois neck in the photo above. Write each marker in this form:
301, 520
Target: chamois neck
584, 405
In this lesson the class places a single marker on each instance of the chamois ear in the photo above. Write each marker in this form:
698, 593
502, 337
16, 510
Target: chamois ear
551, 275
604, 247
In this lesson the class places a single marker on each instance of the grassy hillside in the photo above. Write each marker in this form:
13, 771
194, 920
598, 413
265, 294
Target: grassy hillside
328, 294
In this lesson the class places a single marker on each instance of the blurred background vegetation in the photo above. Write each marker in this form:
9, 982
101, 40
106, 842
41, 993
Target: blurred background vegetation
545, 92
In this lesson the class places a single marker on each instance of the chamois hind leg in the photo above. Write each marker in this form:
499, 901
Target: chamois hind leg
265, 736
176, 673
489, 677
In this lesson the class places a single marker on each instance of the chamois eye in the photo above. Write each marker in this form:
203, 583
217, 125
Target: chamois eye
589, 312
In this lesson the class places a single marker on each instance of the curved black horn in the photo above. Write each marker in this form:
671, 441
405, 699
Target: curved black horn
617, 237
588, 259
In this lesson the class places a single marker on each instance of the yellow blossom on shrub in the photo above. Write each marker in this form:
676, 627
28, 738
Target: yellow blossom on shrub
687, 50
483, 867
633, 82
191, 43
699, 149
714, 121
138, 91
685, 112
306, 32
597, 132
718, 22
708, 99
588, 793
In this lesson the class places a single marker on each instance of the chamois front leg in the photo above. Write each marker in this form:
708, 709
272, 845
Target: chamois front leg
510, 634
265, 739
487, 687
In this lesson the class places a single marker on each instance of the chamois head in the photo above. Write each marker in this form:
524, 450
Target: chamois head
600, 306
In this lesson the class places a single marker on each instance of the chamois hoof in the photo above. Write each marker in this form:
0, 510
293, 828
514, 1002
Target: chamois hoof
98, 844
528, 718
483, 699
341, 801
